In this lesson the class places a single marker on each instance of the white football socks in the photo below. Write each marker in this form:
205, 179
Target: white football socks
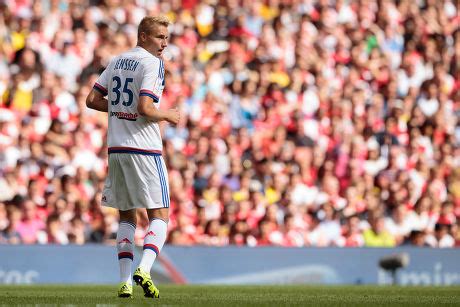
153, 243
125, 247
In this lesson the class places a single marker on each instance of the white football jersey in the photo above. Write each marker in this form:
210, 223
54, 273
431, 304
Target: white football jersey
130, 75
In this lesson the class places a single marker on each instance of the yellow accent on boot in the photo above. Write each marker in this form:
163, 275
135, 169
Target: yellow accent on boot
126, 290
144, 280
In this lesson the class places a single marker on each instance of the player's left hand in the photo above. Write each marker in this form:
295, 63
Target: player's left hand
174, 116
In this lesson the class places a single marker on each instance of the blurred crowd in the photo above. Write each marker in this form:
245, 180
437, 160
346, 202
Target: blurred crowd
305, 123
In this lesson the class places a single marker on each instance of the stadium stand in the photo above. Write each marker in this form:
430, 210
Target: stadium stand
306, 123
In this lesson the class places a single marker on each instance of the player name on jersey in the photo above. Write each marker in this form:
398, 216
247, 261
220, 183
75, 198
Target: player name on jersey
126, 64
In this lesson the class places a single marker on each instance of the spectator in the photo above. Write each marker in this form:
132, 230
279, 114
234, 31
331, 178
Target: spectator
441, 237
53, 234
377, 235
30, 224
9, 235
416, 238
352, 233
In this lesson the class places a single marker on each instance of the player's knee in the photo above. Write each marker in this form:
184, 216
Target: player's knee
162, 214
128, 216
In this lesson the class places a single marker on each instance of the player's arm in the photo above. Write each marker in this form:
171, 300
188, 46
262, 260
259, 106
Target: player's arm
147, 109
96, 101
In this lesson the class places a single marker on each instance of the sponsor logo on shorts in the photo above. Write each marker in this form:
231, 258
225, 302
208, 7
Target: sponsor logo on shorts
127, 116
151, 233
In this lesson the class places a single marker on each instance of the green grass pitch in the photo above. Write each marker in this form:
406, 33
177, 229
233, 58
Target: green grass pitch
105, 296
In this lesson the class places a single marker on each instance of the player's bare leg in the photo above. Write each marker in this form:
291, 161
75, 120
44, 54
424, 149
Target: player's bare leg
153, 243
125, 247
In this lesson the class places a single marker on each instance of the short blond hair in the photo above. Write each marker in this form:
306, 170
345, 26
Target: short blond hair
148, 22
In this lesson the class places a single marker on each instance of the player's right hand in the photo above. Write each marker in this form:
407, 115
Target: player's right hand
174, 116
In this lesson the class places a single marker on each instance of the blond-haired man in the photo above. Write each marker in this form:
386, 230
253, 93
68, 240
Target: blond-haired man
130, 90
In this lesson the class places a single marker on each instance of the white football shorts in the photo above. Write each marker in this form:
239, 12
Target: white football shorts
136, 181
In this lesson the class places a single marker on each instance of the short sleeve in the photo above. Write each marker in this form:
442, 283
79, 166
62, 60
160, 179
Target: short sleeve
102, 82
152, 79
